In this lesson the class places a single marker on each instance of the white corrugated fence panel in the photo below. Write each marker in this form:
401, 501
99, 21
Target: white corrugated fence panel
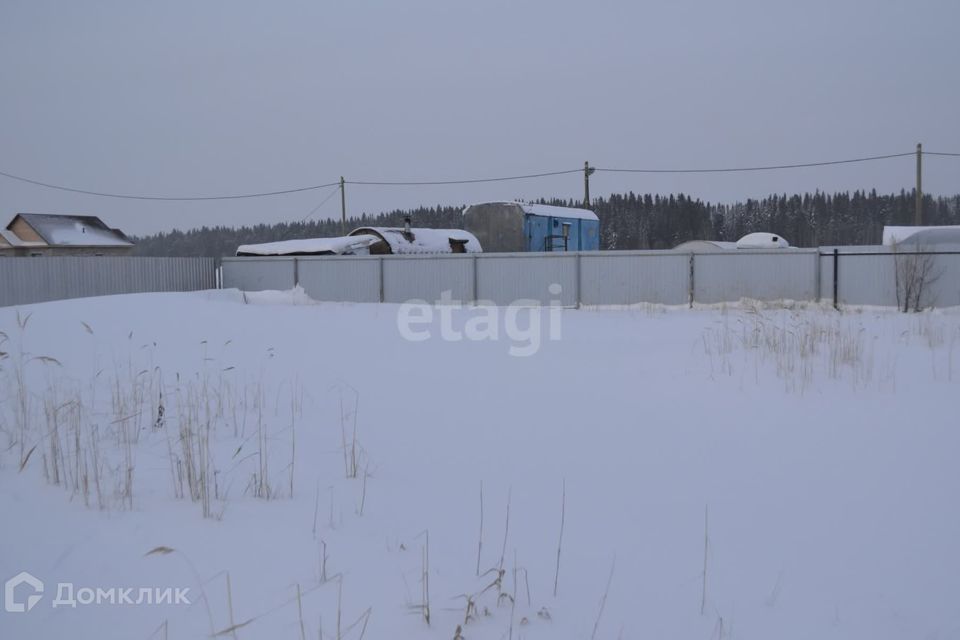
427, 278
616, 278
731, 275
258, 274
341, 278
26, 280
522, 278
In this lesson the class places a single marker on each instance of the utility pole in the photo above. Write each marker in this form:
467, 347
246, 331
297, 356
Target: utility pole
343, 208
918, 213
587, 172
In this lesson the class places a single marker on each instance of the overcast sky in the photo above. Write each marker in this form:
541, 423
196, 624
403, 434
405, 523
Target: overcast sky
218, 97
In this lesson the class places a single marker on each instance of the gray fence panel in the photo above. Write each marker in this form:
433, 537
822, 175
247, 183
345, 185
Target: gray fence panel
341, 278
258, 274
729, 276
41, 279
866, 279
594, 278
826, 278
872, 279
945, 288
628, 278
427, 278
507, 278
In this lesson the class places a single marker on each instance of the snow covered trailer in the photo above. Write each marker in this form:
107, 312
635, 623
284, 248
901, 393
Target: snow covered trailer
414, 240
519, 226
346, 245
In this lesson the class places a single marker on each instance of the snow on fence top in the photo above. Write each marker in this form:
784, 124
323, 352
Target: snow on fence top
310, 246
921, 235
398, 240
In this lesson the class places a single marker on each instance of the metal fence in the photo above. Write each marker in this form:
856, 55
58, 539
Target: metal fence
843, 275
865, 276
878, 276
40, 279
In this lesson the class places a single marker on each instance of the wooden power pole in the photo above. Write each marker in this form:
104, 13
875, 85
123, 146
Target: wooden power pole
587, 172
343, 208
918, 212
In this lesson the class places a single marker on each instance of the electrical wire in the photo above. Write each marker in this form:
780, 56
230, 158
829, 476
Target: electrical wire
125, 196
322, 202
469, 181
761, 168
529, 176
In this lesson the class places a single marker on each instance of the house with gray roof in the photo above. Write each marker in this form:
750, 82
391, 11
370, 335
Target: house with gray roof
41, 234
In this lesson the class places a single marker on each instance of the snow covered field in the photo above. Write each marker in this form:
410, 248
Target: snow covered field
311, 447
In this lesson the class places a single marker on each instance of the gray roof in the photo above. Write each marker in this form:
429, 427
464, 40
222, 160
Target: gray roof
70, 230
14, 241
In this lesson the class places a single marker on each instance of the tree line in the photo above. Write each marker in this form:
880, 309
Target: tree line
627, 221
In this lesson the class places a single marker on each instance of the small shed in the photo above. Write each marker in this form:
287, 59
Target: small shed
520, 226
412, 240
344, 245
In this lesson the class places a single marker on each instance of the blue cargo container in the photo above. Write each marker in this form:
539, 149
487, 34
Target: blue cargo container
519, 226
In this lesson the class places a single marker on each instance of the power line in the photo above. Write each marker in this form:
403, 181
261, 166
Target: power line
332, 193
528, 176
125, 196
762, 168
470, 181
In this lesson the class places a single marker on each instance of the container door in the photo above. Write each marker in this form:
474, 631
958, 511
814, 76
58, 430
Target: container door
556, 241
537, 230
589, 235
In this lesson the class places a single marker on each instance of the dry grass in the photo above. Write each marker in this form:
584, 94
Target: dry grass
795, 345
86, 434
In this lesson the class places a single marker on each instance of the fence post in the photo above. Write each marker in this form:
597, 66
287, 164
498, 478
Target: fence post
690, 282
296, 272
816, 276
381, 277
476, 291
836, 279
579, 281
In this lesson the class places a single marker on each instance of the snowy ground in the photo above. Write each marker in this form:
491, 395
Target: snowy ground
824, 446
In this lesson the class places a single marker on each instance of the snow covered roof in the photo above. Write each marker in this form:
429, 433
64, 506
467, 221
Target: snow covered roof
69, 230
759, 240
422, 240
705, 245
557, 212
309, 246
547, 210
11, 239
921, 235
762, 240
